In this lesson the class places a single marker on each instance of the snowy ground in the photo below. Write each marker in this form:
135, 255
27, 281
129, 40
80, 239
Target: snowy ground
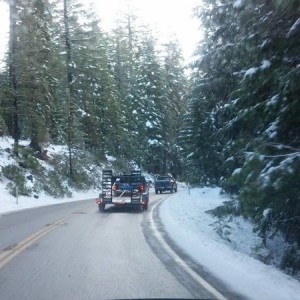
10, 203
195, 231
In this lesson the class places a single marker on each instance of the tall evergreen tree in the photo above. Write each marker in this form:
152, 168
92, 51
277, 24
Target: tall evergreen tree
97, 99
34, 72
28, 101
125, 41
148, 103
70, 91
176, 89
212, 82
14, 119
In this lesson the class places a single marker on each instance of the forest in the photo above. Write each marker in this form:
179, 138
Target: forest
230, 119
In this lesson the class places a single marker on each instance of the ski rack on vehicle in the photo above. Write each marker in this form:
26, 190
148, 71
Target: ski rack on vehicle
134, 189
107, 185
136, 183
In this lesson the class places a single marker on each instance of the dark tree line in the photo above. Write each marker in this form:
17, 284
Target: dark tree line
69, 82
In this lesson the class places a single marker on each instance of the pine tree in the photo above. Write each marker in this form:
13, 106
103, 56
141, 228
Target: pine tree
176, 89
35, 76
212, 82
125, 41
28, 101
70, 91
98, 102
15, 124
148, 103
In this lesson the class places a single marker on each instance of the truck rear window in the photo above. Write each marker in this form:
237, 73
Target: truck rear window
163, 178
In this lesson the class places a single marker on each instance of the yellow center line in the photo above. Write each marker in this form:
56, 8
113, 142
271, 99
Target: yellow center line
7, 255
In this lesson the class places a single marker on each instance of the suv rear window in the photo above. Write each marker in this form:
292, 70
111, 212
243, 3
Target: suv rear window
163, 178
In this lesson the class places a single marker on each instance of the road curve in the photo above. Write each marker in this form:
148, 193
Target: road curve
71, 251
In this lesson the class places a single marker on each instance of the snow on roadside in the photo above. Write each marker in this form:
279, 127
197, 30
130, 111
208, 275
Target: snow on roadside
192, 229
8, 203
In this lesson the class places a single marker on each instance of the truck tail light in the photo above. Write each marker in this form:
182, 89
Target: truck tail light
99, 200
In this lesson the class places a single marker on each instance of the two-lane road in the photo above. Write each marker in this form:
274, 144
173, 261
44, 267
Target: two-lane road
71, 251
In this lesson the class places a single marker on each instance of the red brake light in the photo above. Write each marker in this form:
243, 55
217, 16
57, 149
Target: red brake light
142, 187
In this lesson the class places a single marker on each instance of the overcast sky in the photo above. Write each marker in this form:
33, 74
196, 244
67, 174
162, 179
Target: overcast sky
168, 17
3, 27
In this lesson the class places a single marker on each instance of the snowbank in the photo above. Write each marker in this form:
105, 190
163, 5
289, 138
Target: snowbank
10, 203
192, 229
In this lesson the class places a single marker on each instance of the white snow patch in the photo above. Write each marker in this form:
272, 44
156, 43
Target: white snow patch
82, 112
237, 171
264, 179
10, 203
266, 212
295, 26
192, 229
149, 124
231, 158
190, 155
264, 43
250, 72
110, 158
273, 100
238, 3
153, 141
271, 131
265, 64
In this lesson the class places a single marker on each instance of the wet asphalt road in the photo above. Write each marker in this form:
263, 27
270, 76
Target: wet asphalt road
71, 251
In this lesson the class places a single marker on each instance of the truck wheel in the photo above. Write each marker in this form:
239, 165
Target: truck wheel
102, 207
160, 191
156, 191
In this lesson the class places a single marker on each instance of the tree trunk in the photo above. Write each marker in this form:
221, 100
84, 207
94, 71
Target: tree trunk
69, 91
12, 74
